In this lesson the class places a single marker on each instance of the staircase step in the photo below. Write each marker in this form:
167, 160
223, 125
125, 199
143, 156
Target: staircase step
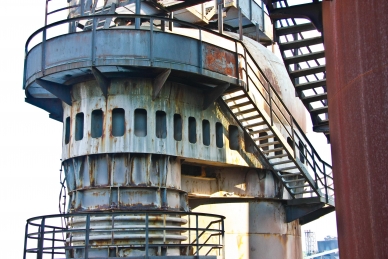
263, 137
296, 186
273, 150
300, 43
235, 98
314, 98
245, 112
289, 175
305, 57
296, 193
281, 162
261, 123
269, 144
238, 105
310, 85
276, 156
254, 117
294, 29
287, 168
293, 181
259, 131
319, 110
307, 71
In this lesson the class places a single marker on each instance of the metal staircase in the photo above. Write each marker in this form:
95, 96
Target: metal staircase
301, 45
276, 134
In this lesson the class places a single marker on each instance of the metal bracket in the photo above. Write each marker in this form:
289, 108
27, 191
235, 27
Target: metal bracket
213, 95
51, 105
102, 81
312, 11
59, 90
159, 82
306, 212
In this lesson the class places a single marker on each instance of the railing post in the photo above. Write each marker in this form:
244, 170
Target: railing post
270, 103
53, 243
87, 231
94, 28
324, 175
293, 135
82, 7
220, 17
196, 234
41, 239
223, 238
44, 35
171, 24
137, 12
151, 42
25, 241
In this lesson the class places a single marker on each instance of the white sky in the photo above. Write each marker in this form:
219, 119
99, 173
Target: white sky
31, 142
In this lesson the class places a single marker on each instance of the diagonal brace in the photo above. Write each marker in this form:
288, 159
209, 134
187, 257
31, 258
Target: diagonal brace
59, 90
213, 95
159, 82
102, 81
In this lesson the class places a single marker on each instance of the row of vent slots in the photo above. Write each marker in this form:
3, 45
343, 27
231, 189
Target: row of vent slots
118, 129
140, 127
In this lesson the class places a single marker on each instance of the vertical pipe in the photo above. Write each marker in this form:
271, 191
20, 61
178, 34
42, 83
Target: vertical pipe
82, 7
94, 27
151, 41
87, 232
137, 12
147, 236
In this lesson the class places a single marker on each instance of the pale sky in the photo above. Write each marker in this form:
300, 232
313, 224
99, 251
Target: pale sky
31, 142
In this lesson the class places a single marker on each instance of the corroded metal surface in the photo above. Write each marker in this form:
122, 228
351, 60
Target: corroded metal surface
356, 48
132, 94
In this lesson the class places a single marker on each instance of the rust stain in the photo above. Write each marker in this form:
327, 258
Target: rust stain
219, 60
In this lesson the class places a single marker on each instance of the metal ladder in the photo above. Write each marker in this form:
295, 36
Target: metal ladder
301, 45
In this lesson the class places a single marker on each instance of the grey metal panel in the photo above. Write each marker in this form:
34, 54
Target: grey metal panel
67, 49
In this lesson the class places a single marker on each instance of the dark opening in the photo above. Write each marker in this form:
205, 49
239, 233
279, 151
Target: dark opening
279, 152
301, 152
79, 126
233, 137
161, 127
67, 130
118, 122
96, 123
219, 135
249, 144
206, 132
192, 130
263, 141
177, 127
140, 122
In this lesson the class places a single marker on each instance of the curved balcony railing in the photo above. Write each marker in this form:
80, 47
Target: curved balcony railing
250, 76
192, 235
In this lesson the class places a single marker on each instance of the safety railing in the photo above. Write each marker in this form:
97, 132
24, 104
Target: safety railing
251, 77
111, 235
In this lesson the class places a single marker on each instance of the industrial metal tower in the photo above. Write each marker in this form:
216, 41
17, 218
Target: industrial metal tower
172, 110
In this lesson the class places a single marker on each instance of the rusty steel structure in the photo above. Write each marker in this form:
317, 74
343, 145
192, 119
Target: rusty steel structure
172, 110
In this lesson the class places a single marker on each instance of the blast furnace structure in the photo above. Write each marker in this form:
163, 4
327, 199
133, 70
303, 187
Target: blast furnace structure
182, 135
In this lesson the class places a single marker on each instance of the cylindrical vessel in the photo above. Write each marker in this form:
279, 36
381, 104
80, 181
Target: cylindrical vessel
356, 48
